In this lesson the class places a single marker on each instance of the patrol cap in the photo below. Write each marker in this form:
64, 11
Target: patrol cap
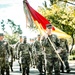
20, 36
1, 34
24, 37
38, 35
49, 26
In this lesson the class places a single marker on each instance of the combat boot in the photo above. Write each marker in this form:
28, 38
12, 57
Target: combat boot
68, 70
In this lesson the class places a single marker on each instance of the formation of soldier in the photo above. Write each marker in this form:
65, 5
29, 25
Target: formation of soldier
4, 55
44, 53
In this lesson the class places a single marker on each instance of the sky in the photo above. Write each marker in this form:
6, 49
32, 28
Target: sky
13, 9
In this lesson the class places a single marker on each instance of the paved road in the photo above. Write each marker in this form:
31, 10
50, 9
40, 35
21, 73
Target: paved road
36, 72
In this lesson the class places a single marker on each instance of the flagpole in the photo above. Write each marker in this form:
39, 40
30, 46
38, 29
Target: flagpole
56, 52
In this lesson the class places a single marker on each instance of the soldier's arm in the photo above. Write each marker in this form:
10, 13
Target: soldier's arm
19, 50
12, 51
35, 44
57, 42
7, 48
44, 41
30, 48
67, 47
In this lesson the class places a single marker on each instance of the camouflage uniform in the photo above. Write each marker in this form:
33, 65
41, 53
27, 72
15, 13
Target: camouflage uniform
51, 56
16, 48
39, 55
11, 57
33, 52
64, 54
4, 56
2, 52
25, 48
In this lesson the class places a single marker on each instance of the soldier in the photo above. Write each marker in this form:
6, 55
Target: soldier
11, 57
16, 48
4, 56
25, 50
2, 52
51, 56
39, 54
32, 53
64, 54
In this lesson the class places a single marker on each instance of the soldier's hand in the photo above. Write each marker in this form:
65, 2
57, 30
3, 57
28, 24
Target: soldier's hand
18, 58
46, 36
68, 54
59, 50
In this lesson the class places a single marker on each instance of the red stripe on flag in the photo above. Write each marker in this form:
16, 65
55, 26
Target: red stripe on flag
37, 17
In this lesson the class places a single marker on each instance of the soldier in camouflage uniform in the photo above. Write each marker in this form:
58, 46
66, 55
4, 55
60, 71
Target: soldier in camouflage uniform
39, 54
2, 51
11, 56
4, 56
64, 54
25, 50
51, 57
32, 52
16, 48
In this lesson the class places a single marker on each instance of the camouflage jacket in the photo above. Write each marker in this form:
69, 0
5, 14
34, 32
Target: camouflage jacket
4, 51
49, 50
24, 49
64, 46
38, 47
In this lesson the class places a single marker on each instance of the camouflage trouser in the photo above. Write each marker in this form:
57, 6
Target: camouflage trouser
5, 68
25, 64
40, 63
20, 65
52, 63
33, 59
65, 60
1, 64
11, 64
0, 69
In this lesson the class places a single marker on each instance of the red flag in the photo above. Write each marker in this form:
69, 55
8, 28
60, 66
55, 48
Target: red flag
37, 17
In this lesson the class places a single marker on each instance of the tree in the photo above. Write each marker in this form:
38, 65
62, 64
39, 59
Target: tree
3, 25
61, 16
15, 29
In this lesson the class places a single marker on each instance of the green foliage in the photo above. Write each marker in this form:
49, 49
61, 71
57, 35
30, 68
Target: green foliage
61, 18
3, 25
15, 29
12, 39
71, 57
73, 52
